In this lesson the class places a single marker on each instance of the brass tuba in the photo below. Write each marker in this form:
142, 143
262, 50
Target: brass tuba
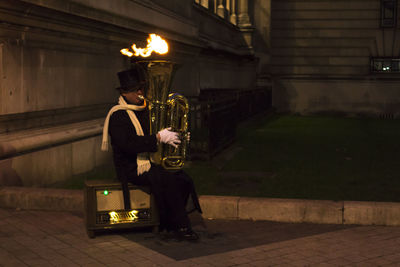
166, 110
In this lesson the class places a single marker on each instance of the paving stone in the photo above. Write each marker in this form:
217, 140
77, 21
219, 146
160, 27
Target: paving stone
260, 263
258, 256
62, 262
186, 263
324, 264
120, 262
36, 262
105, 258
26, 255
12, 262
96, 264
239, 260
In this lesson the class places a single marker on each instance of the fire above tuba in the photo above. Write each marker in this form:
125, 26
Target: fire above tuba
166, 110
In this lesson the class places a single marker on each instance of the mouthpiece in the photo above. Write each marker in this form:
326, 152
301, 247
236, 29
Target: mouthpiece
141, 97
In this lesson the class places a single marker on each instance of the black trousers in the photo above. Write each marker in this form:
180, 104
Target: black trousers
174, 193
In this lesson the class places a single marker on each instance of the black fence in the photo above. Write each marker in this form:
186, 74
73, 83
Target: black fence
214, 116
252, 102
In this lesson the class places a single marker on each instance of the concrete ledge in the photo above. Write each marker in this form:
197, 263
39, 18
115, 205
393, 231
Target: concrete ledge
371, 213
41, 198
28, 140
226, 207
219, 207
291, 210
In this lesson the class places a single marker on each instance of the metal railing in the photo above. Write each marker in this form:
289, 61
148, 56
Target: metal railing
214, 116
212, 126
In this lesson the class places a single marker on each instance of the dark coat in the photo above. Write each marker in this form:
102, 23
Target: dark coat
172, 190
127, 144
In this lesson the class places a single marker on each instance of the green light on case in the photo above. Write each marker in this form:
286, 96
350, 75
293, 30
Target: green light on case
105, 192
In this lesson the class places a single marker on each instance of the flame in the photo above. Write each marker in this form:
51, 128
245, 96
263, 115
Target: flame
126, 52
154, 44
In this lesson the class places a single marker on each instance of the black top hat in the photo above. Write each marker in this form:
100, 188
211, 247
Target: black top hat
131, 79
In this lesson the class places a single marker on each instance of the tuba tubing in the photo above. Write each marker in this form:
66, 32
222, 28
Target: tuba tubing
166, 110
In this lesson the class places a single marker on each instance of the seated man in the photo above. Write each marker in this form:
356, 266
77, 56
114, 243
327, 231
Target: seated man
128, 126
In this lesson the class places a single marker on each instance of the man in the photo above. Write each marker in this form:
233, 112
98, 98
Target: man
128, 126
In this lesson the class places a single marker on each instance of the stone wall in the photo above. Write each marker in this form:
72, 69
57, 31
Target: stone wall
321, 58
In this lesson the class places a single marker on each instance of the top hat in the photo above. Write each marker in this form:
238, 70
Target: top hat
131, 79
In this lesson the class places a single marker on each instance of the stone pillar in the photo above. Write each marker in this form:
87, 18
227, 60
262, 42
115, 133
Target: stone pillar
244, 23
244, 19
233, 17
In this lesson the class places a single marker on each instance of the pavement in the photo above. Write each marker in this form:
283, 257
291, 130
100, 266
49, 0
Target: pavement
55, 238
45, 227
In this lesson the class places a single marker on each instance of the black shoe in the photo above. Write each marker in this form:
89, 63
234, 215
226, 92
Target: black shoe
186, 234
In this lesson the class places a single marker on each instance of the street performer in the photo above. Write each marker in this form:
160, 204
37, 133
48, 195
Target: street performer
128, 126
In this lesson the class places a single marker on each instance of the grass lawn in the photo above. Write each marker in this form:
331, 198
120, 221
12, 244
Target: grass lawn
307, 157
299, 157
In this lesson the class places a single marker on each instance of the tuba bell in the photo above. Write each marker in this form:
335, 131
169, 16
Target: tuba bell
166, 110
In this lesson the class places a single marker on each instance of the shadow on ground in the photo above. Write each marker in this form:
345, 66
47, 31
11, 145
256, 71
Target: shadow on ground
219, 236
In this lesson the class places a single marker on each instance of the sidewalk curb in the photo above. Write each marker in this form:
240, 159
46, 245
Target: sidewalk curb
228, 207
41, 198
301, 210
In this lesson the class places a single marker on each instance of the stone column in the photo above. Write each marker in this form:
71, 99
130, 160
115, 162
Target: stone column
244, 22
244, 19
233, 17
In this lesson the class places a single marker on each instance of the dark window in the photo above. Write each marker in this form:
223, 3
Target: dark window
385, 65
388, 13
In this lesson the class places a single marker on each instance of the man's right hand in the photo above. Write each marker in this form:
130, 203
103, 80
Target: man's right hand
166, 136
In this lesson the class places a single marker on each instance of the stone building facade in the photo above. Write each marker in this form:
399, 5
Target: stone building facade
322, 57
59, 59
58, 65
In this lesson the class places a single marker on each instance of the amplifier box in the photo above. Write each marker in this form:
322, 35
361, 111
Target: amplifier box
104, 207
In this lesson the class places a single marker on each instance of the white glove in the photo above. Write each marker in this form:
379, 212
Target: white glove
169, 137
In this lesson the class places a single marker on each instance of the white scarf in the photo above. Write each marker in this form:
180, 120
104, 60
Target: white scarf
142, 159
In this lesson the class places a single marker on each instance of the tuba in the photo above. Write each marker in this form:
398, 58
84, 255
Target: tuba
166, 110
